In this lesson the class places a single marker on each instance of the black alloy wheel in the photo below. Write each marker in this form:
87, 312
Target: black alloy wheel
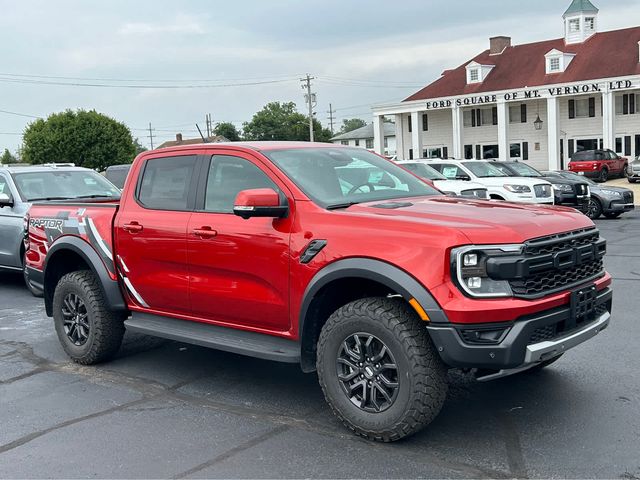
75, 319
594, 210
604, 175
368, 373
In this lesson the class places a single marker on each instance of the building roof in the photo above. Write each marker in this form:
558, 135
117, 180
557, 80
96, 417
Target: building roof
580, 6
366, 132
603, 55
193, 141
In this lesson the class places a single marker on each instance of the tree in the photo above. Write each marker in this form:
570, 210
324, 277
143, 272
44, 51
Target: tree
139, 148
86, 138
282, 121
7, 157
227, 130
349, 124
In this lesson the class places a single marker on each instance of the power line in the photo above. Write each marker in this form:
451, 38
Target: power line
19, 114
148, 80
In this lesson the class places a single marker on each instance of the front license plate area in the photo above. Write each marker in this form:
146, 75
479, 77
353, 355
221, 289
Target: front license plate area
583, 306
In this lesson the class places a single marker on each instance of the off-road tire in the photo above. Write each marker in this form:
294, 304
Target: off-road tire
422, 385
106, 328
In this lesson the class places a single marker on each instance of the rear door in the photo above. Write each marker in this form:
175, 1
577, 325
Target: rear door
11, 226
239, 269
151, 234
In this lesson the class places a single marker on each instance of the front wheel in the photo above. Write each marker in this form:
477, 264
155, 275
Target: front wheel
88, 331
594, 210
378, 369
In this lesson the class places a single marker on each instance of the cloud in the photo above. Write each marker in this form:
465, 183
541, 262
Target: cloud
181, 24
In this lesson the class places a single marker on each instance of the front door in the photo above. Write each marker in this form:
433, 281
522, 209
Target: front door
151, 235
239, 269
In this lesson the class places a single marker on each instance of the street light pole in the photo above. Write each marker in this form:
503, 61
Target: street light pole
310, 98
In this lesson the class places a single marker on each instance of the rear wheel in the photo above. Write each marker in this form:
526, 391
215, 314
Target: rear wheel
604, 175
594, 210
631, 180
88, 331
625, 171
378, 369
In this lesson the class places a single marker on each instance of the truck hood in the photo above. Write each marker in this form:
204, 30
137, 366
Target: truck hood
481, 221
457, 186
500, 181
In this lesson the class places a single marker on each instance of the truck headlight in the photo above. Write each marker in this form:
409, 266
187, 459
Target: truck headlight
562, 187
469, 270
517, 188
611, 193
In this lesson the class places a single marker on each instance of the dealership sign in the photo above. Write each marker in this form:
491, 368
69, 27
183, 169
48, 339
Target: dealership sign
529, 94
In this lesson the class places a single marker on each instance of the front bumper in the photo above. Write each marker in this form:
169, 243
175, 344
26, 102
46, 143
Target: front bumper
579, 202
618, 206
519, 347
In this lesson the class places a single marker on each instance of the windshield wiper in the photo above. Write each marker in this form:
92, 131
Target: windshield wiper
338, 206
97, 196
40, 199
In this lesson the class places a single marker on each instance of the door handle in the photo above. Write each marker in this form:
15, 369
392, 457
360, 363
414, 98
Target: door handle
133, 227
205, 232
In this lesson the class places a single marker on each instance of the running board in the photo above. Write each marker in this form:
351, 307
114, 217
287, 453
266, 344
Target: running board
232, 340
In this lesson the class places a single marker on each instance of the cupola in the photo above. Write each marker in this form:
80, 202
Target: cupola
580, 21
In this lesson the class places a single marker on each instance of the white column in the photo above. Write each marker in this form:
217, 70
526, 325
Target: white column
553, 133
608, 120
503, 131
458, 125
378, 134
416, 134
400, 137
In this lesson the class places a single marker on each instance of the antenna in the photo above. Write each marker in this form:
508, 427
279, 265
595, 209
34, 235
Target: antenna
204, 140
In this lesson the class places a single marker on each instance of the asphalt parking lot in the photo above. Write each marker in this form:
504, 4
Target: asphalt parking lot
164, 409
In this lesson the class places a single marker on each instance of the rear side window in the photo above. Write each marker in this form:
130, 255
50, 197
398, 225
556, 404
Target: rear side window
228, 176
585, 155
166, 183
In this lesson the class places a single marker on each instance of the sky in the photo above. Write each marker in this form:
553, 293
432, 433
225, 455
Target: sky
229, 59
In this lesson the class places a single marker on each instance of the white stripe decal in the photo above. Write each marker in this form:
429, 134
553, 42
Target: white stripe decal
101, 243
124, 265
133, 291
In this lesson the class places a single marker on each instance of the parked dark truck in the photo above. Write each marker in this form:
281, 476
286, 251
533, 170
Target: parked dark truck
330, 257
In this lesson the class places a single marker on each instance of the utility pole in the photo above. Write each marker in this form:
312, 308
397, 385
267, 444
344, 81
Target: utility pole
151, 135
330, 112
311, 102
209, 125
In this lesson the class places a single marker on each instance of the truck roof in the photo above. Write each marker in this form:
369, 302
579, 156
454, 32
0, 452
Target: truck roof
256, 146
40, 168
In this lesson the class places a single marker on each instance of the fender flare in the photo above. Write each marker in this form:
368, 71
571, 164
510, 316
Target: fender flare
381, 272
110, 288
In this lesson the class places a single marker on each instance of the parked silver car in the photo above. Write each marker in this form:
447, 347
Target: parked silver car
22, 185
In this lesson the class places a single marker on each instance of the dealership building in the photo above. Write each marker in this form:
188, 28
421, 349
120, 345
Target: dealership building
538, 102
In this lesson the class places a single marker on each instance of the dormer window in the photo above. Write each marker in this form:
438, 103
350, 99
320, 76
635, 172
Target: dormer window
477, 73
558, 61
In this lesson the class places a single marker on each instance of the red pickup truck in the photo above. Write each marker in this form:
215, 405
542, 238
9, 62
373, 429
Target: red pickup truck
598, 164
330, 257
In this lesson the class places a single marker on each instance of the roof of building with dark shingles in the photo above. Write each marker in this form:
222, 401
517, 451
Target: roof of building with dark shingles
603, 55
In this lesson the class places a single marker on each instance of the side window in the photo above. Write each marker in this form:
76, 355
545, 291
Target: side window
449, 171
4, 187
612, 155
166, 183
227, 177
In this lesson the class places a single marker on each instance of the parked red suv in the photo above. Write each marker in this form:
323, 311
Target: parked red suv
330, 257
598, 164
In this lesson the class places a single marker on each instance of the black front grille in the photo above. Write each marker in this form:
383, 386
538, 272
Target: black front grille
541, 334
628, 197
558, 262
542, 191
581, 189
555, 330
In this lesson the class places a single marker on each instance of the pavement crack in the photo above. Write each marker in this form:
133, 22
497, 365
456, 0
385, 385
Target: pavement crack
32, 436
234, 451
515, 457
23, 376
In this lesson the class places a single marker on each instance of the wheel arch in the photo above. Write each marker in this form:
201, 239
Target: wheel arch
70, 253
350, 279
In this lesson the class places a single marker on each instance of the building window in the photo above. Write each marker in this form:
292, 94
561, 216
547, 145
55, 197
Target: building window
468, 118
433, 153
515, 150
554, 64
619, 145
627, 104
386, 143
357, 143
574, 25
582, 107
474, 75
518, 113
369, 143
487, 116
590, 23
409, 124
490, 151
468, 152
344, 142
425, 122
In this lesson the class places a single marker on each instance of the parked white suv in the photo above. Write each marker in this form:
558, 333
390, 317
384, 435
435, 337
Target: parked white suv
499, 185
442, 183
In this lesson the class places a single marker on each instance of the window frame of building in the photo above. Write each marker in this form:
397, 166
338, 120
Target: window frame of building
619, 145
495, 149
554, 64
369, 143
627, 104
357, 142
474, 75
344, 142
582, 107
519, 150
386, 142
574, 25
590, 24
468, 152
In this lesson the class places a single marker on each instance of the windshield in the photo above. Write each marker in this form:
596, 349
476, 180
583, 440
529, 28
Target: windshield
63, 185
424, 171
524, 170
483, 169
573, 176
335, 177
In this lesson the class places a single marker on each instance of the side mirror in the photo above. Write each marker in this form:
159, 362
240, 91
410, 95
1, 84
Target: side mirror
6, 200
463, 177
259, 202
